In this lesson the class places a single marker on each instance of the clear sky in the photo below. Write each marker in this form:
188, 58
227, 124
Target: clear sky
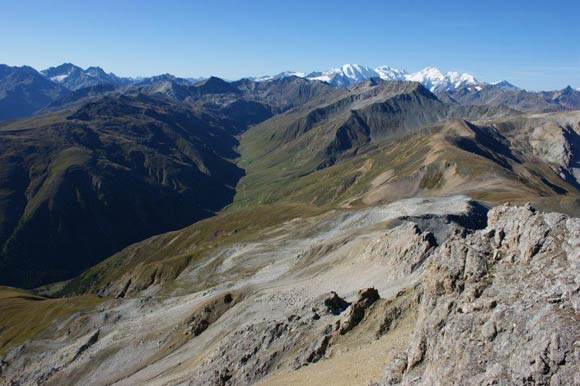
533, 44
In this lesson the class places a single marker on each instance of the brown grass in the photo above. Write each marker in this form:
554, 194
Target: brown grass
24, 315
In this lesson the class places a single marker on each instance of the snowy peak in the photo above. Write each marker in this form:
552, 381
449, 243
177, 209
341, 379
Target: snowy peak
457, 79
428, 73
390, 73
356, 71
285, 74
345, 75
60, 73
435, 80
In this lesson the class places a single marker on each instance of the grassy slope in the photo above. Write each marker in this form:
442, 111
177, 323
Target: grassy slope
24, 315
360, 134
423, 162
161, 258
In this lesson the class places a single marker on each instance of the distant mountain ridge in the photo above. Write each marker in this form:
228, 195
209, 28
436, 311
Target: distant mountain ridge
451, 87
25, 91
435, 80
75, 78
347, 74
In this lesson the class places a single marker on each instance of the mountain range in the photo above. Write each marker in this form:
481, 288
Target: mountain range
146, 160
25, 91
354, 226
431, 77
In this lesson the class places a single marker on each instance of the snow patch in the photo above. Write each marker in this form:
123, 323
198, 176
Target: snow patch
59, 78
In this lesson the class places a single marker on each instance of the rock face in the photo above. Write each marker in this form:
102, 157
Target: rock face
356, 312
500, 306
208, 313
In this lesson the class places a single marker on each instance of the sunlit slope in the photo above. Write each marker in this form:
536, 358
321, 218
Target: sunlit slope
388, 140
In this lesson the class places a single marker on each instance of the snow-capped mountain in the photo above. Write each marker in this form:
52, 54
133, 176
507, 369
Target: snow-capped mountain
431, 77
285, 74
60, 73
390, 73
345, 75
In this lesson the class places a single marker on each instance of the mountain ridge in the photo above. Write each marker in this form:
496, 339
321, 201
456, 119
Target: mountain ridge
347, 74
74, 77
52, 86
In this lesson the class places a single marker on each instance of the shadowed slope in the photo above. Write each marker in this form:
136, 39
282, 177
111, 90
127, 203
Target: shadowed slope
23, 91
75, 189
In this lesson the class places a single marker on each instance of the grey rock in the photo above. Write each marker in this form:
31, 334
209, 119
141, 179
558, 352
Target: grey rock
488, 330
356, 311
499, 306
335, 304
395, 370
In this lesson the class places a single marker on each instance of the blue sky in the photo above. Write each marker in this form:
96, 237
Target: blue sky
534, 44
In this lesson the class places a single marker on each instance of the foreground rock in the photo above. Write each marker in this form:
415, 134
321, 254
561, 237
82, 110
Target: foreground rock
356, 312
500, 306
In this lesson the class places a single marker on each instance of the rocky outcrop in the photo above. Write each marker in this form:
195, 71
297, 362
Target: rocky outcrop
305, 337
500, 306
356, 312
403, 249
335, 304
209, 312
252, 351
